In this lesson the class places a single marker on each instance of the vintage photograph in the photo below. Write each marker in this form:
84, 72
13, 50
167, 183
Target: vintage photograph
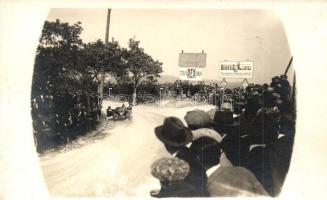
163, 102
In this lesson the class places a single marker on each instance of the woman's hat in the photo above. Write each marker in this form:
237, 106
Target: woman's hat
173, 132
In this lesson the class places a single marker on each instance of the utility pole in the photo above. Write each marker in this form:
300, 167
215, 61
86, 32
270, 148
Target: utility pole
288, 66
106, 44
107, 28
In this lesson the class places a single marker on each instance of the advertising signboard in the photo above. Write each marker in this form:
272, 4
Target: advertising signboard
191, 74
192, 60
230, 69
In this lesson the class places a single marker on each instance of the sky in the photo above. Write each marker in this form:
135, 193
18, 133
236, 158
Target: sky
225, 35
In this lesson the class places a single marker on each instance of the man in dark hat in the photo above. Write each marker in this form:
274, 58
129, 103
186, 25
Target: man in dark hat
207, 151
285, 94
224, 122
175, 136
274, 81
173, 132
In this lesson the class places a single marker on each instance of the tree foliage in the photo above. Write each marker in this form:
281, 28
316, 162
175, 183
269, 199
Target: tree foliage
67, 75
64, 101
140, 65
98, 57
58, 53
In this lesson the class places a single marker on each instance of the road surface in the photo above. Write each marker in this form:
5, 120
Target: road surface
118, 165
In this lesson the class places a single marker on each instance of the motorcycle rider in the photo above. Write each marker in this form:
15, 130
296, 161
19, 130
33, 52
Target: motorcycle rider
109, 112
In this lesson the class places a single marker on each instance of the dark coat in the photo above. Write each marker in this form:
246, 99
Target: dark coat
197, 176
234, 181
236, 149
270, 164
260, 164
178, 189
264, 129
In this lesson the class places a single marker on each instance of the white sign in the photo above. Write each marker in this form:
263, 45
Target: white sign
245, 83
236, 69
223, 83
192, 60
192, 74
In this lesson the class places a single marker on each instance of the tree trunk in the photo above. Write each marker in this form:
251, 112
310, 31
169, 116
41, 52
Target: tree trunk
137, 81
134, 96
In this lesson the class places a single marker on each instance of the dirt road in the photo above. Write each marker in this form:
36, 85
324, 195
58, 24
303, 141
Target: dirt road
117, 165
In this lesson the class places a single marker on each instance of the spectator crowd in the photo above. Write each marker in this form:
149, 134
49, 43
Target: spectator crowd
242, 147
60, 118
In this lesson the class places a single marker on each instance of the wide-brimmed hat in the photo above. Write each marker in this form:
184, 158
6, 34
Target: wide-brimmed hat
206, 132
197, 119
224, 122
170, 169
173, 132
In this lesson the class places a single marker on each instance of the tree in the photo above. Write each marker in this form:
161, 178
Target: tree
59, 76
140, 65
58, 52
97, 58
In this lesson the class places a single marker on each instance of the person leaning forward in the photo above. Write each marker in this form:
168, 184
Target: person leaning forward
175, 136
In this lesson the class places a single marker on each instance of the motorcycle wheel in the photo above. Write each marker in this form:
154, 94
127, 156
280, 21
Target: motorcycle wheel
129, 116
